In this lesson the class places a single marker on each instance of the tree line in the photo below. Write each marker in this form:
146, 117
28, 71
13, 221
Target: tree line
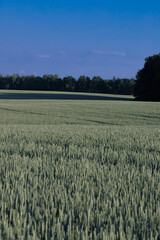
147, 85
55, 83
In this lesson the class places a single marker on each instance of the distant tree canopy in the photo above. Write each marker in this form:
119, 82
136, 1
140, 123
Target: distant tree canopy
55, 83
147, 84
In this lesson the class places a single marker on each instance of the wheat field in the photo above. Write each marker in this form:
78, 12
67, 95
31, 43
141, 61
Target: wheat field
79, 169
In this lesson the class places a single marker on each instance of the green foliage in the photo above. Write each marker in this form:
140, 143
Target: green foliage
147, 87
79, 170
83, 84
54, 83
69, 83
97, 85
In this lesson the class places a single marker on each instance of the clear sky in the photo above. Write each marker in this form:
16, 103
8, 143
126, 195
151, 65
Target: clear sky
78, 37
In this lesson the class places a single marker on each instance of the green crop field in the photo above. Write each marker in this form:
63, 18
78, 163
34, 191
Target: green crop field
78, 166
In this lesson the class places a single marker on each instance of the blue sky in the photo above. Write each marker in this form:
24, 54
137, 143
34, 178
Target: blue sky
83, 37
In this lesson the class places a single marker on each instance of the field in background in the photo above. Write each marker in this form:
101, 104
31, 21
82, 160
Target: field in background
73, 169
53, 95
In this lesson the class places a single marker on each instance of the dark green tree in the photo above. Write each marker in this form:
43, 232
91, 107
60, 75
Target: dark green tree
83, 84
69, 83
56, 83
97, 85
147, 85
2, 82
15, 81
